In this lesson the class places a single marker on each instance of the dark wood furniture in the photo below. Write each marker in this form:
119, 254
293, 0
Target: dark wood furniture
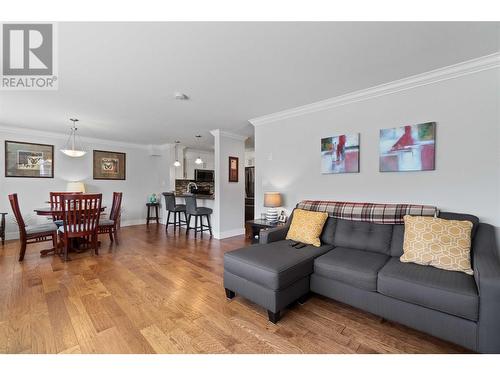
177, 209
249, 208
2, 226
81, 214
50, 211
34, 233
255, 226
110, 225
55, 202
192, 209
156, 217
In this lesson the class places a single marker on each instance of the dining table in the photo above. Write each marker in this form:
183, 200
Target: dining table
54, 211
78, 245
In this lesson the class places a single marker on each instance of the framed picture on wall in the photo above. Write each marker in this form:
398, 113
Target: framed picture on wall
233, 169
30, 160
109, 165
408, 148
340, 154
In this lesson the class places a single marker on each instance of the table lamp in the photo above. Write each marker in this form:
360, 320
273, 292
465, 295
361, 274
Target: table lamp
75, 187
272, 200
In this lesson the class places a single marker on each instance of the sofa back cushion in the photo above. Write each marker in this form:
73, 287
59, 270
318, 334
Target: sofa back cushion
328, 234
398, 235
362, 235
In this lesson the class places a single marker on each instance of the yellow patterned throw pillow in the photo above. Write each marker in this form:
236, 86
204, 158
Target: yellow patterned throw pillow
307, 226
437, 242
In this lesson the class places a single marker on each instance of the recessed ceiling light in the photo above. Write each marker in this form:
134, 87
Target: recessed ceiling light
180, 96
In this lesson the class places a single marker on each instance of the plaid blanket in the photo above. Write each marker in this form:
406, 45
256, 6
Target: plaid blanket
373, 212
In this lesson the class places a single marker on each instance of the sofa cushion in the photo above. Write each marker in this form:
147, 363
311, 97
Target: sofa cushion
362, 235
457, 216
398, 230
307, 227
398, 235
438, 242
327, 236
275, 265
446, 291
358, 268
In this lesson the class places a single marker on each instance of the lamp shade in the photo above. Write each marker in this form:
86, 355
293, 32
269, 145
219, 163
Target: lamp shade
77, 187
272, 199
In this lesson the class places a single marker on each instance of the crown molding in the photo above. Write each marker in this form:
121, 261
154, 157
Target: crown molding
222, 133
442, 74
32, 133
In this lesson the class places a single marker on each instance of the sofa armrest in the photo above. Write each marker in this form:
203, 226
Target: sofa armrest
273, 235
487, 276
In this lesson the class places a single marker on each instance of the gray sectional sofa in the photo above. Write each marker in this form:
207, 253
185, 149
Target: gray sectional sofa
358, 264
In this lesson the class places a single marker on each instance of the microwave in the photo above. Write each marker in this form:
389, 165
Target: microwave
204, 175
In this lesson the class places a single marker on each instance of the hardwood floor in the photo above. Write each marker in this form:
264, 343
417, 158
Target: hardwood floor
154, 293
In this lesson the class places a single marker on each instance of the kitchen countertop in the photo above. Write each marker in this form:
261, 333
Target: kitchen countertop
198, 196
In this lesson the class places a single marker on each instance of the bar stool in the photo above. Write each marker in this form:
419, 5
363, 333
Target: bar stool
171, 206
192, 209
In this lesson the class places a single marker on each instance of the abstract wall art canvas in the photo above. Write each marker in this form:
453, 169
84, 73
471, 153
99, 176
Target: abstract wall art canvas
340, 154
109, 165
24, 159
408, 148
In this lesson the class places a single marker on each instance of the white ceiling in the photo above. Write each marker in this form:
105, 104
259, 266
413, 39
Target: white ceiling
119, 78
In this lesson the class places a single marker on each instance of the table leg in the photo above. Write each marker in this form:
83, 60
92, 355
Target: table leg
157, 215
2, 229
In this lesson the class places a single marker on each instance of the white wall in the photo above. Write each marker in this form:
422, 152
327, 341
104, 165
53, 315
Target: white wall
190, 155
249, 158
467, 175
229, 205
145, 175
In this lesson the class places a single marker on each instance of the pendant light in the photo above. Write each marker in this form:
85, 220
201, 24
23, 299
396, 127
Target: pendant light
177, 163
72, 148
198, 160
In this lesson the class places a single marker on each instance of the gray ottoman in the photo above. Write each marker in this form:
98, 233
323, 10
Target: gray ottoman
271, 275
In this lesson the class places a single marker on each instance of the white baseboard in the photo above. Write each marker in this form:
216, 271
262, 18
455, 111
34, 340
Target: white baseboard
128, 223
229, 233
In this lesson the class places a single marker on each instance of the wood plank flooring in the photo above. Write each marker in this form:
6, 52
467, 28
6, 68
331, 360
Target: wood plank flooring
158, 293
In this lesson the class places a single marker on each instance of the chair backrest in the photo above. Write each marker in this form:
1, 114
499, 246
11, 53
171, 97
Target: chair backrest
169, 201
191, 205
116, 206
81, 214
14, 203
55, 202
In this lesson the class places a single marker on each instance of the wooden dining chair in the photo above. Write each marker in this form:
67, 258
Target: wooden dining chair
80, 219
111, 225
55, 204
31, 233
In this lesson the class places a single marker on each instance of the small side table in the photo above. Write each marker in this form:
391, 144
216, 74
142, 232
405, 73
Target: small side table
156, 217
257, 225
2, 227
